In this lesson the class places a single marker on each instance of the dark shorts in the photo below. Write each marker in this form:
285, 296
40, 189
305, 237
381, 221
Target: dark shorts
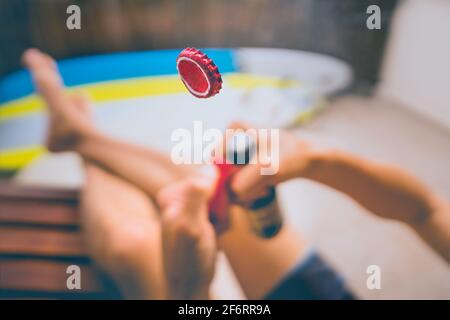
311, 279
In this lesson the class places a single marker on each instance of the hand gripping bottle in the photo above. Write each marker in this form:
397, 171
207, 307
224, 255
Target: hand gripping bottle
263, 213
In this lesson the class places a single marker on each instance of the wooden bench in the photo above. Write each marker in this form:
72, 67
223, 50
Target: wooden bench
39, 238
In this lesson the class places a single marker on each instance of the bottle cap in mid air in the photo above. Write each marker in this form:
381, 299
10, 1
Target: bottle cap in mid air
199, 73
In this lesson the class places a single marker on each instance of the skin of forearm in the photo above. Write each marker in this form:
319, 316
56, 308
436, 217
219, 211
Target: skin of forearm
436, 230
386, 191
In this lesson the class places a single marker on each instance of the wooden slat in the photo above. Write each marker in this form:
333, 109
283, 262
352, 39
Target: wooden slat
15, 191
44, 275
30, 241
38, 212
39, 238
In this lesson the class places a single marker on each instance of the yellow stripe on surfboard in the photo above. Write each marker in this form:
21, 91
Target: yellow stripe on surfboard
134, 88
15, 159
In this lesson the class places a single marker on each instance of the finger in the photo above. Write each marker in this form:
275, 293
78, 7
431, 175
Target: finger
205, 181
240, 125
248, 183
189, 197
235, 140
236, 127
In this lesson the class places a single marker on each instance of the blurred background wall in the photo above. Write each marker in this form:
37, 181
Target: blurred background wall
334, 27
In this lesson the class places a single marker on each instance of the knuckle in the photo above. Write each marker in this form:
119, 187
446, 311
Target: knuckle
170, 217
194, 188
161, 198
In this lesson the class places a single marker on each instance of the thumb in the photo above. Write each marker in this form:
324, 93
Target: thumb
248, 183
189, 197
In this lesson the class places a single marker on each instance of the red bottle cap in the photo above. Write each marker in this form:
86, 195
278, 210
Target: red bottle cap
199, 73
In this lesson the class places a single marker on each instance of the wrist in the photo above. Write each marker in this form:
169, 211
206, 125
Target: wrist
434, 213
313, 163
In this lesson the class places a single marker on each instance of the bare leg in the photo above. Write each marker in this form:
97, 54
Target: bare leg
123, 231
259, 264
147, 169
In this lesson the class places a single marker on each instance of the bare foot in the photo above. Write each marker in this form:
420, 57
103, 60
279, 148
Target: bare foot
63, 133
69, 114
